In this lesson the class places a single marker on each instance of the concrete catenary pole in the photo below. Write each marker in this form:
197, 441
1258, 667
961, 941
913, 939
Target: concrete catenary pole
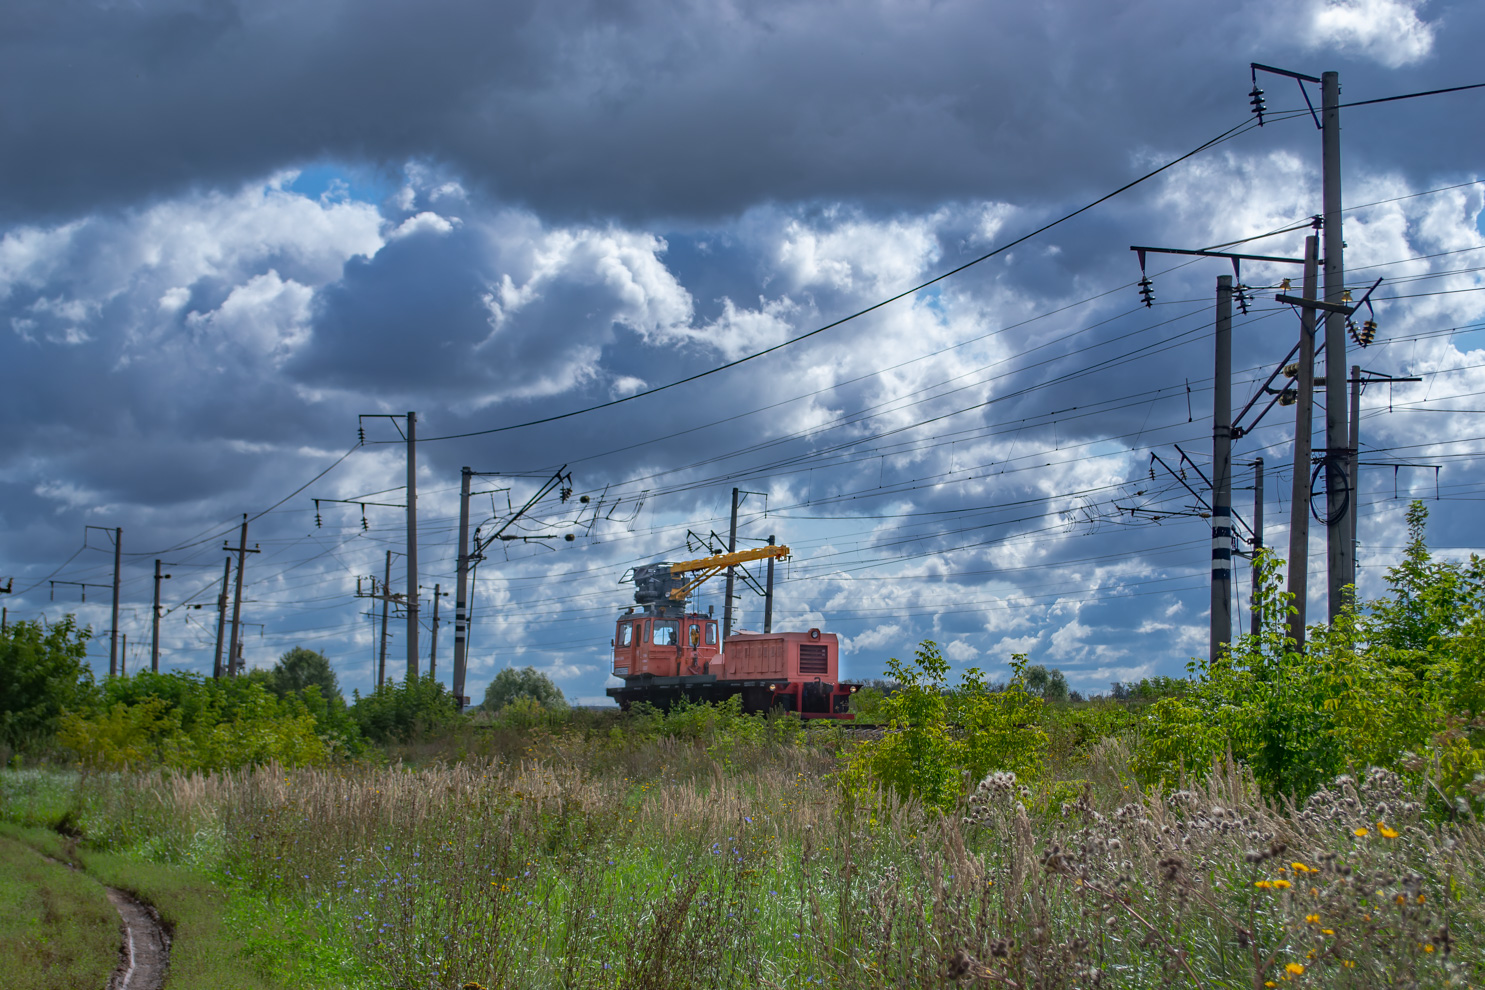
1256, 623
155, 622
1221, 622
412, 547
768, 594
113, 634
1304, 429
216, 666
1339, 504
1355, 448
461, 591
381, 665
731, 548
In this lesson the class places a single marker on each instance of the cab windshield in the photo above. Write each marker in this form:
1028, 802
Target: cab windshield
666, 632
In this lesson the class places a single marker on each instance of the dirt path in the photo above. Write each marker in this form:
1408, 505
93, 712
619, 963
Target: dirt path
145, 952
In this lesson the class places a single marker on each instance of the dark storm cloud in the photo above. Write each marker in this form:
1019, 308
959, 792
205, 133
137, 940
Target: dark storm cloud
627, 110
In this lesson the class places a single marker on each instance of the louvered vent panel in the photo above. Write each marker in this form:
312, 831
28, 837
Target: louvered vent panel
813, 659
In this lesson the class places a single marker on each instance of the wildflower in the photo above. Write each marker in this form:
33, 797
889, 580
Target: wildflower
1302, 868
1327, 931
1282, 884
1313, 919
1387, 833
1295, 969
1361, 833
1263, 884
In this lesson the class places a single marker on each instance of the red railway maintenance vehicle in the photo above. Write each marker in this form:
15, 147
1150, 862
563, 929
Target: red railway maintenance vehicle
664, 652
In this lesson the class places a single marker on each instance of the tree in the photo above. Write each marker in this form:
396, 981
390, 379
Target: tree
298, 669
524, 682
43, 672
403, 712
1050, 685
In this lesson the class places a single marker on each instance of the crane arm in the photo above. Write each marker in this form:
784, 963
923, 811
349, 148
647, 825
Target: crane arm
709, 567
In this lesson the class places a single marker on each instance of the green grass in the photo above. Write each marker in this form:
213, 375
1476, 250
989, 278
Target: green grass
57, 929
237, 939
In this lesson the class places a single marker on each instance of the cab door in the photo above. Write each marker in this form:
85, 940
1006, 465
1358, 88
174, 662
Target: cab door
626, 643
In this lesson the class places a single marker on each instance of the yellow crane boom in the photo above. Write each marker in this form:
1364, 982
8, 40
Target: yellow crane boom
709, 567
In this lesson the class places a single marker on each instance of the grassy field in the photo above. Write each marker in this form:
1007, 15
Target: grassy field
57, 929
588, 861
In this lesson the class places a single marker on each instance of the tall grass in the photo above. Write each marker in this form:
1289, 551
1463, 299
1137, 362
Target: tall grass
579, 862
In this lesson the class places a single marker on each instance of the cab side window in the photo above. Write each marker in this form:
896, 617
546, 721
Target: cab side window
711, 634
626, 634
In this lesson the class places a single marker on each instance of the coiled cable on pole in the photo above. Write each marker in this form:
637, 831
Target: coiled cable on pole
1345, 502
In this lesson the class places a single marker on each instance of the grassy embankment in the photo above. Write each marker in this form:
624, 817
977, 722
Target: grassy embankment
592, 860
221, 938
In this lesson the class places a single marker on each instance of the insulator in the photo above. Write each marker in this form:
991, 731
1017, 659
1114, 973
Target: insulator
569, 537
1147, 291
1152, 473
364, 527
1284, 285
1345, 295
1243, 298
317, 521
1355, 333
1255, 99
566, 494
361, 434
1368, 333
1291, 370
1288, 397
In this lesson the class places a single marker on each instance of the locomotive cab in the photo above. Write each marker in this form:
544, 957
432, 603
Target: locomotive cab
664, 645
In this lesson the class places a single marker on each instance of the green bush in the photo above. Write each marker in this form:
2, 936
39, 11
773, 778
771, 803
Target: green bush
404, 712
179, 721
937, 739
43, 673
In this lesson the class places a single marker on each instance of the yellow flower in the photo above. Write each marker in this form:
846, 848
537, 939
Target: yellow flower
1269, 983
1327, 931
1263, 884
1349, 963
1361, 833
1428, 948
1283, 884
1387, 833
1421, 898
1302, 868
1295, 969
1313, 919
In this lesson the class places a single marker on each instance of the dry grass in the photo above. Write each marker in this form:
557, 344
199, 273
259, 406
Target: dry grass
581, 863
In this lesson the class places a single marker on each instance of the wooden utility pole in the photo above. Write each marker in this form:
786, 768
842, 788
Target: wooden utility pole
1304, 428
114, 667
234, 652
216, 667
1256, 624
155, 622
381, 666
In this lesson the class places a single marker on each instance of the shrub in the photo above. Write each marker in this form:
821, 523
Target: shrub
43, 672
403, 712
935, 738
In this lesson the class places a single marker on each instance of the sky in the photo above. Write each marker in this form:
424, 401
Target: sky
228, 230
